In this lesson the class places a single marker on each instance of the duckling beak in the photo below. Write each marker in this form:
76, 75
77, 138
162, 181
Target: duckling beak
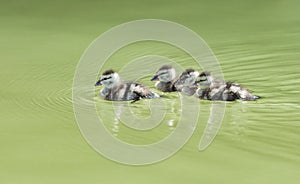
154, 78
98, 83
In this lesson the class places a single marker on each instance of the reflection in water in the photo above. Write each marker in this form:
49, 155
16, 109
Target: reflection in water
217, 110
258, 45
116, 120
172, 124
149, 121
237, 113
115, 128
143, 115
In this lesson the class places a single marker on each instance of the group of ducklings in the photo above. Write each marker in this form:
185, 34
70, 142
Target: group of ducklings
191, 82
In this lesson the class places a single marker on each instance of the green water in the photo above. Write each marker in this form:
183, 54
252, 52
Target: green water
256, 42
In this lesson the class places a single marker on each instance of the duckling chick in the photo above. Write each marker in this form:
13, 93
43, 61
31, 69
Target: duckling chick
186, 82
168, 82
115, 90
211, 88
166, 76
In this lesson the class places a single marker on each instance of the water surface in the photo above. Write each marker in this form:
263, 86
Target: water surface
257, 44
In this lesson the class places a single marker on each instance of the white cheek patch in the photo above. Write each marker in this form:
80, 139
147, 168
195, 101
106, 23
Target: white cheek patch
164, 78
108, 83
203, 78
107, 79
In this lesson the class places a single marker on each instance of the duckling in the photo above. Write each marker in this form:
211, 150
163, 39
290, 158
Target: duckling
186, 82
168, 82
166, 76
115, 90
211, 88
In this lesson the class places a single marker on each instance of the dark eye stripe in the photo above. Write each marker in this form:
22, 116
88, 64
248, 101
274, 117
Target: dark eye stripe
105, 78
163, 73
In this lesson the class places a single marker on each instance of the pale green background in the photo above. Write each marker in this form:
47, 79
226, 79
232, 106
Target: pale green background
256, 42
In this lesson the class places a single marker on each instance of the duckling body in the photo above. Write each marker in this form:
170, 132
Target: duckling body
168, 82
211, 88
115, 90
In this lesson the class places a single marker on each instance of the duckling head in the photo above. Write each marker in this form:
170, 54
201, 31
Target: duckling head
165, 73
108, 79
204, 79
188, 77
